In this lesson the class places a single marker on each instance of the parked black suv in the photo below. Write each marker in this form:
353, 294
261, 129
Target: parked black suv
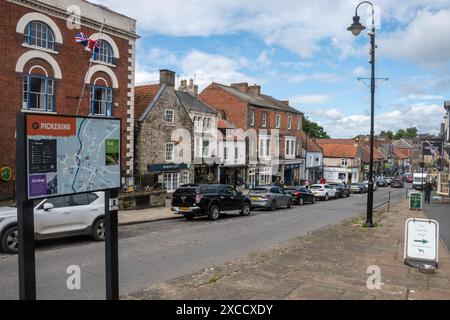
208, 200
342, 189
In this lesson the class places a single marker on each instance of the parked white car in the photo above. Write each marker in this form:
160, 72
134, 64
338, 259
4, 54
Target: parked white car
79, 214
323, 191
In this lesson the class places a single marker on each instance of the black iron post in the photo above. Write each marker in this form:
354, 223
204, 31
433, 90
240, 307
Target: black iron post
111, 247
25, 217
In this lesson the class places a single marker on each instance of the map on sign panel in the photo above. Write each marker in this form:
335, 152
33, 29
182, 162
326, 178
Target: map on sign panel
69, 155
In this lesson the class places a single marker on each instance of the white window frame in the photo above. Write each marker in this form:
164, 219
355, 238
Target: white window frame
264, 147
166, 114
289, 147
171, 181
299, 124
264, 120
236, 153
252, 118
185, 177
289, 123
278, 121
344, 162
170, 157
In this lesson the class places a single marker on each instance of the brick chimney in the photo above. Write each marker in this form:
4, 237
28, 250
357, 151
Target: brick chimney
255, 89
243, 86
285, 101
167, 77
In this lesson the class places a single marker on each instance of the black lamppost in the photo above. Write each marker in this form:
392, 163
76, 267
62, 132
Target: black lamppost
356, 29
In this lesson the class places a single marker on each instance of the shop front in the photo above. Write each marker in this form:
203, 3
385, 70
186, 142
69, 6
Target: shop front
292, 174
206, 174
168, 176
233, 176
338, 174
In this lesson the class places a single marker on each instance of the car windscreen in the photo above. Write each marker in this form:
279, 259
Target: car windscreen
355, 184
316, 187
186, 191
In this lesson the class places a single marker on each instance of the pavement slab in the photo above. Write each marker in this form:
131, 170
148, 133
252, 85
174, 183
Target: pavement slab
327, 264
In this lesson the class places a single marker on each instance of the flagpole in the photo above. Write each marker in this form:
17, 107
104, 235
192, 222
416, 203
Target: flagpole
90, 65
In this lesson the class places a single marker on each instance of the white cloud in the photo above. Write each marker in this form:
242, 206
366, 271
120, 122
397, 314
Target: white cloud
426, 40
426, 118
422, 97
310, 99
323, 77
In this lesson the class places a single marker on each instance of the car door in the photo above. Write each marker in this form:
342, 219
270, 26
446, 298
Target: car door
55, 220
81, 211
235, 201
225, 200
331, 191
286, 196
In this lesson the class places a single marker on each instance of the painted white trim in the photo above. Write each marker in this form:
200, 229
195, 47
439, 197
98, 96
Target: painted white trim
38, 67
35, 54
33, 16
105, 69
26, 45
101, 78
108, 39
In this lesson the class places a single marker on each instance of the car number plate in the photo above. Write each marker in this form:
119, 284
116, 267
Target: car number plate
254, 198
185, 209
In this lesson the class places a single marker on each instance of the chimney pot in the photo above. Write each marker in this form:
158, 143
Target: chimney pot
255, 89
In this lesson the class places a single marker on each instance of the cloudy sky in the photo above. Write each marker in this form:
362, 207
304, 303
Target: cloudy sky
300, 50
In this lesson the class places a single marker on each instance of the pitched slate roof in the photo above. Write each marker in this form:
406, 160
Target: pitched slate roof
258, 100
192, 103
403, 144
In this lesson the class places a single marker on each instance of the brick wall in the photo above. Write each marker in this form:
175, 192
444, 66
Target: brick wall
73, 61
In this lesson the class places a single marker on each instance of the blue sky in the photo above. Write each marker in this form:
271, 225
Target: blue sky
301, 51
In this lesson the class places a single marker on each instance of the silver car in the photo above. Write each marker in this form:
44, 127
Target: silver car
79, 214
272, 198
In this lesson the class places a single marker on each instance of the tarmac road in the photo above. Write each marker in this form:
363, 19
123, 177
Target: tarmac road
159, 251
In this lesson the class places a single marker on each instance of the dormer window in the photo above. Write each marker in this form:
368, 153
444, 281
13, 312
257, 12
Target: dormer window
39, 34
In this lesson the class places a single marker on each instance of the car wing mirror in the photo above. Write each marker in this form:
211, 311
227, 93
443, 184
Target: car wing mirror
48, 206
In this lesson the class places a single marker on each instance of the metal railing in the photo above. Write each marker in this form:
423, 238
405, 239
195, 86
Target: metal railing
388, 202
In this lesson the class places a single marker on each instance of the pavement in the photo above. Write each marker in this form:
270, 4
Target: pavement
156, 252
334, 262
440, 211
129, 217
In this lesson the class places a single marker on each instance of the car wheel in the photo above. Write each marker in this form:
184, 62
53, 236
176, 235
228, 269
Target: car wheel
327, 197
189, 216
273, 206
289, 204
348, 195
10, 240
301, 201
246, 209
314, 200
214, 212
98, 230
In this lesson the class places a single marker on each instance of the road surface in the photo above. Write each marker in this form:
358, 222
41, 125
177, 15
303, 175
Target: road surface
159, 251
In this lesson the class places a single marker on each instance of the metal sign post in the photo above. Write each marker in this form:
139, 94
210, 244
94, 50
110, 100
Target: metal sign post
25, 218
53, 159
421, 242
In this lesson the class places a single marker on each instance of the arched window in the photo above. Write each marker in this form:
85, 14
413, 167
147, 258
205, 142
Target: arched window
105, 53
39, 34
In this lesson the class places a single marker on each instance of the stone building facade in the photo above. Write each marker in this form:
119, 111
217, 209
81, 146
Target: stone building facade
164, 134
43, 69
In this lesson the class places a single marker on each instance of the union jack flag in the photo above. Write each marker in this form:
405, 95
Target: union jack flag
81, 38
94, 45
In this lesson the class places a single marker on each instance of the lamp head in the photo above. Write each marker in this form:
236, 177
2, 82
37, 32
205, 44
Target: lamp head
356, 26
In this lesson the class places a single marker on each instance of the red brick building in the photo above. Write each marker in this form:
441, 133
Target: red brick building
277, 131
43, 69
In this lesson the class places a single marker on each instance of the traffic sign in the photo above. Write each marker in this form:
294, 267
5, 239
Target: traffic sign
415, 201
421, 242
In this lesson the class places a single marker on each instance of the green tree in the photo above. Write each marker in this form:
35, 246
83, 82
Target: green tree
400, 134
313, 129
411, 133
388, 135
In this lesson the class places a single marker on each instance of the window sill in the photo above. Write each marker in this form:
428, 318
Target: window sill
26, 45
37, 111
102, 63
99, 116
